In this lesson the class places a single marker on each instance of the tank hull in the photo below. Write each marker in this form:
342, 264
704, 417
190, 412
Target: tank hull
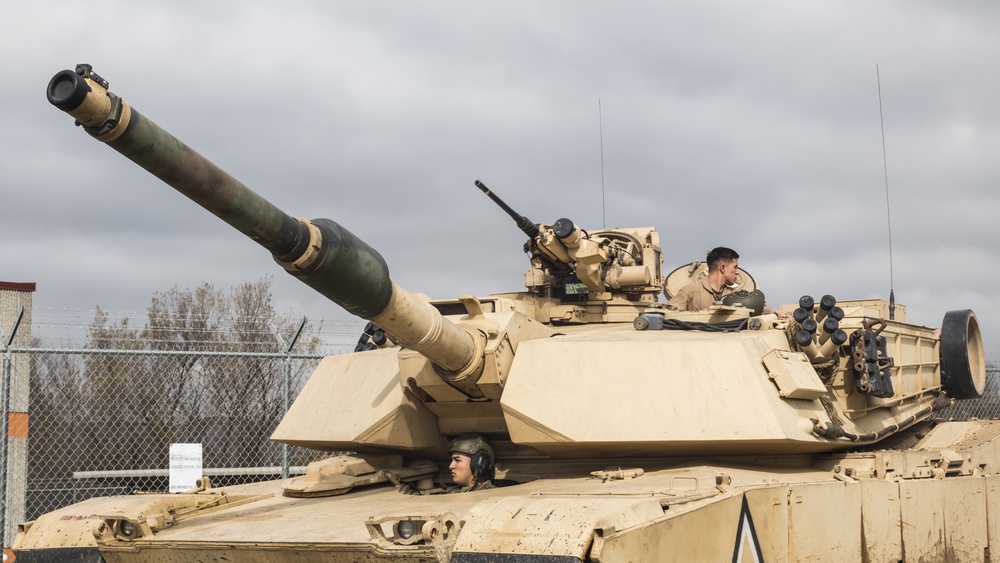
936, 500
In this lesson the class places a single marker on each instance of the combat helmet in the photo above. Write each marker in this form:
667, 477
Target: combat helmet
481, 452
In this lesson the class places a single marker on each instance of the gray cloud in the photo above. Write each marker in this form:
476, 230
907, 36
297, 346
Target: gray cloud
754, 125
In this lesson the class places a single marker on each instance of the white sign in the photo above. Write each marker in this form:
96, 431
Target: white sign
185, 467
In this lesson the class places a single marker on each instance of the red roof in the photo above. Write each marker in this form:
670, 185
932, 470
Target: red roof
26, 286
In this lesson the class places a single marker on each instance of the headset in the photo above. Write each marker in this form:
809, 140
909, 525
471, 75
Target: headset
480, 454
481, 465
753, 300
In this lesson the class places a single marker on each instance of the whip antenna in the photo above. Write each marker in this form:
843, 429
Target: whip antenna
888, 217
604, 206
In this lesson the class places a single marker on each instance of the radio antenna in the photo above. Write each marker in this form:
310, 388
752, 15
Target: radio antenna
888, 217
600, 124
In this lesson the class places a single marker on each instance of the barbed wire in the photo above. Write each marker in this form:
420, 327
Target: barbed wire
69, 328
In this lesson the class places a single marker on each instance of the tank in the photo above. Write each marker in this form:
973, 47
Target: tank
623, 430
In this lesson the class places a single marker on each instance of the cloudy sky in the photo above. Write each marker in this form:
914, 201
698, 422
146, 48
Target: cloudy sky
754, 125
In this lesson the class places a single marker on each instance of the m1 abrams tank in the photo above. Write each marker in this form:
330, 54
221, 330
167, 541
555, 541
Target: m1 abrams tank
623, 431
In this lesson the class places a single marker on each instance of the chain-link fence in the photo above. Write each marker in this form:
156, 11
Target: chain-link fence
102, 420
104, 413
986, 407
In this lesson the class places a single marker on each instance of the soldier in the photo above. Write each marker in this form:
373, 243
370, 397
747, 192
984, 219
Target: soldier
723, 266
471, 463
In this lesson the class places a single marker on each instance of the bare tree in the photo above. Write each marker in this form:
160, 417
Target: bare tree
55, 440
205, 367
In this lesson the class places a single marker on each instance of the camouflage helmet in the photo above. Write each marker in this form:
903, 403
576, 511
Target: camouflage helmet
753, 300
477, 448
470, 445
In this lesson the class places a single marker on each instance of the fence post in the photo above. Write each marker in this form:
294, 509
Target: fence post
286, 384
285, 391
4, 391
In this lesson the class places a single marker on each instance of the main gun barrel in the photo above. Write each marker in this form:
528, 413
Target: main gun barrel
321, 253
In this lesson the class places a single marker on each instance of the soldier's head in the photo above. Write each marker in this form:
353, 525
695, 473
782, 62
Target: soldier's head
725, 261
471, 460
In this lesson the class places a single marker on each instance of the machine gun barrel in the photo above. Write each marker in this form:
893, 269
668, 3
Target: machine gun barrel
526, 225
321, 253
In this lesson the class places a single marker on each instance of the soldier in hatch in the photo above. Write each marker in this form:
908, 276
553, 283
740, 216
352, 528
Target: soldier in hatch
471, 463
699, 295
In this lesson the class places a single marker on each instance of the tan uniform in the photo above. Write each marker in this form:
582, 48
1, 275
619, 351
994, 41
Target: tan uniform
697, 296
